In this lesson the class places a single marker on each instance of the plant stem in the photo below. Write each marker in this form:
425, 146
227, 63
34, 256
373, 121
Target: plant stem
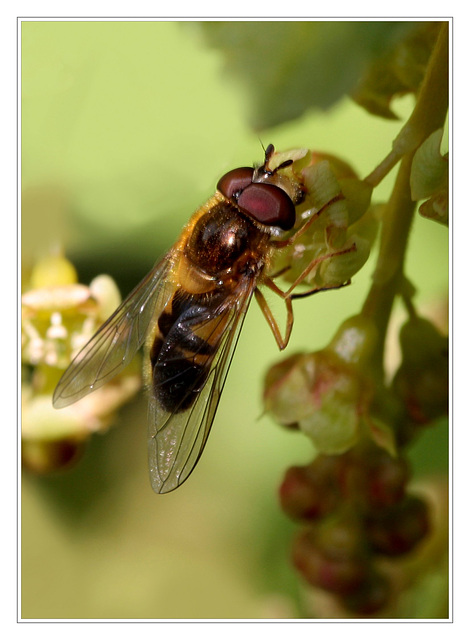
431, 106
429, 114
388, 273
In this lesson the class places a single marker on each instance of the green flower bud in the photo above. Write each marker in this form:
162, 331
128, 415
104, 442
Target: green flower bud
355, 341
420, 340
300, 157
367, 226
332, 190
422, 380
323, 187
334, 422
357, 195
287, 390
328, 178
342, 267
319, 395
329, 394
341, 169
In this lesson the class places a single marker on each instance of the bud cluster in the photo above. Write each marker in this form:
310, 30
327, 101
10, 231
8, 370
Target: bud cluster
353, 497
355, 509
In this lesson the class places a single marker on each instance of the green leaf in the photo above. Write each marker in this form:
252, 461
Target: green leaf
429, 171
289, 67
397, 72
430, 179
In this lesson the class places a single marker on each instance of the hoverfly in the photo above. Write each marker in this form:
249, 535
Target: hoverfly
188, 312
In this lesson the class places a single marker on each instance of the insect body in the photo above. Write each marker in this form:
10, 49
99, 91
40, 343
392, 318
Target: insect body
188, 311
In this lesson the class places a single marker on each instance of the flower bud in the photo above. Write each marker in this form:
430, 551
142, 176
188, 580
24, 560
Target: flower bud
330, 179
386, 479
398, 529
322, 187
329, 393
334, 199
372, 478
371, 596
343, 266
287, 390
312, 491
342, 388
336, 574
339, 536
421, 381
322, 397
355, 341
334, 421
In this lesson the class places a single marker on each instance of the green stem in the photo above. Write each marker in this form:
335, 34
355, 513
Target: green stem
429, 114
431, 107
389, 269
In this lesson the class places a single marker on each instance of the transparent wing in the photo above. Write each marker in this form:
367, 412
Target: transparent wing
117, 341
176, 440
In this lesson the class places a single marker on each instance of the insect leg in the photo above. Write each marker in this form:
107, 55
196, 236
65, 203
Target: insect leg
281, 342
288, 296
310, 292
312, 266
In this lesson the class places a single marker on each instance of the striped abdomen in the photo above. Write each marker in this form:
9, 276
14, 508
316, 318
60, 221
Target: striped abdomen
189, 332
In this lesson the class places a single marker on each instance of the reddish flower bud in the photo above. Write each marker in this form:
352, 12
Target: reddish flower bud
338, 575
311, 492
397, 530
370, 597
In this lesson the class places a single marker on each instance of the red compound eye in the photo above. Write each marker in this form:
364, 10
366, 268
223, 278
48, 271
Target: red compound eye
268, 204
233, 182
263, 202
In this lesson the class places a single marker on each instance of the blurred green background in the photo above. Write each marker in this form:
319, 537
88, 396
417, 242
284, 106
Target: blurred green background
125, 129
